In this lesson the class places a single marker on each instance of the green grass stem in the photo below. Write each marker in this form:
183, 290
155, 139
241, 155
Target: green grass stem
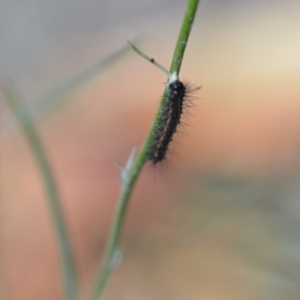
28, 126
131, 171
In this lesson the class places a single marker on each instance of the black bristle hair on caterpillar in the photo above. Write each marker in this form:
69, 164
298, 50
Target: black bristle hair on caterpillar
177, 102
170, 118
171, 113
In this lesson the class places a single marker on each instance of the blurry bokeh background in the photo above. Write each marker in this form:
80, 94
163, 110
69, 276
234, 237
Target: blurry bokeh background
222, 220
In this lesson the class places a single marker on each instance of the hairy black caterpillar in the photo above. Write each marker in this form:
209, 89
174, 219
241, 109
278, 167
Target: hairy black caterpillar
176, 101
170, 118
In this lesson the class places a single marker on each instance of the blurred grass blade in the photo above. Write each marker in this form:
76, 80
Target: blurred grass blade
60, 92
67, 261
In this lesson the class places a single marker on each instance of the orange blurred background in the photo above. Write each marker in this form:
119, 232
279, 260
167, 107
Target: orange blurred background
221, 221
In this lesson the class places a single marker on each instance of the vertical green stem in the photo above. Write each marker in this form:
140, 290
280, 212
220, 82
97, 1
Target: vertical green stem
29, 129
184, 34
131, 171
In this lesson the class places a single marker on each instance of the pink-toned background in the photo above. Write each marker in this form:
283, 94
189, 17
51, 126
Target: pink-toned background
222, 223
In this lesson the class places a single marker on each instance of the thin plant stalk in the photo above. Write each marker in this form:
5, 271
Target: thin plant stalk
67, 261
60, 93
131, 171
